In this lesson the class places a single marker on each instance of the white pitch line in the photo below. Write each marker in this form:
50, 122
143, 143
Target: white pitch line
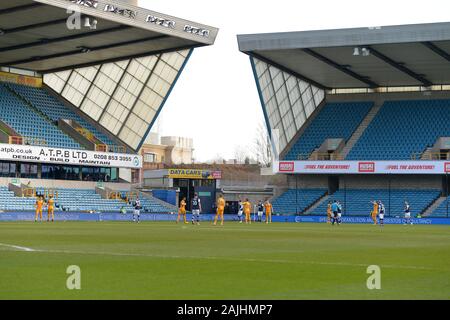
17, 247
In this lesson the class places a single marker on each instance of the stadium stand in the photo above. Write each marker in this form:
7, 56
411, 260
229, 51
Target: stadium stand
56, 110
403, 128
77, 200
9, 202
151, 205
85, 200
36, 129
335, 120
357, 201
296, 200
441, 210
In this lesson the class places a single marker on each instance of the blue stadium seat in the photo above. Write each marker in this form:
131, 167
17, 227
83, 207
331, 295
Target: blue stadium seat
78, 200
357, 202
403, 128
28, 123
296, 200
441, 210
56, 110
336, 120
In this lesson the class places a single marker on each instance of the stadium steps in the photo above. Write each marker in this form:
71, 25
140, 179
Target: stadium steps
53, 107
362, 127
318, 203
426, 154
314, 154
390, 137
437, 203
17, 114
347, 117
296, 201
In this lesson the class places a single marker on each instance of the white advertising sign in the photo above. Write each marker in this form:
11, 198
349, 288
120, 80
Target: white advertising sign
25, 153
363, 167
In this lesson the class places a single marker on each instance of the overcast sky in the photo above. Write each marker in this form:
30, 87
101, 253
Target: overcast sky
217, 91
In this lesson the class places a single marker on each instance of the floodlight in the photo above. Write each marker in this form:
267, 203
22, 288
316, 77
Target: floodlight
365, 52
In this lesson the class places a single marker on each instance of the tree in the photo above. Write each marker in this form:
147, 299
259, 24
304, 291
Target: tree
217, 159
262, 146
240, 153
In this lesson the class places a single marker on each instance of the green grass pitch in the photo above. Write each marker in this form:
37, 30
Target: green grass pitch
167, 261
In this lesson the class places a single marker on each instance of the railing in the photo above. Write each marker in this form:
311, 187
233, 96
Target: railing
117, 195
85, 133
15, 140
32, 193
431, 156
98, 146
28, 193
132, 195
321, 156
113, 195
34, 141
117, 149
9, 135
101, 147
51, 192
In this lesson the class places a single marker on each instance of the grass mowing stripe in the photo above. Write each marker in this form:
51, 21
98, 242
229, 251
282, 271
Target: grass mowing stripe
153, 260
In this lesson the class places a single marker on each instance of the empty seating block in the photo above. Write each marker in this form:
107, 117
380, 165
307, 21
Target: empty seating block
86, 200
357, 202
336, 120
151, 206
441, 211
296, 200
55, 110
78, 200
9, 202
28, 123
403, 128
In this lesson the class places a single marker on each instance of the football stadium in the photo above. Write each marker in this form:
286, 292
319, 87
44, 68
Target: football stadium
356, 116
353, 205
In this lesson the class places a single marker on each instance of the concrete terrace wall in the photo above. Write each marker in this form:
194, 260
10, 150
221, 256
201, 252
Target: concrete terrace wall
308, 181
368, 181
397, 182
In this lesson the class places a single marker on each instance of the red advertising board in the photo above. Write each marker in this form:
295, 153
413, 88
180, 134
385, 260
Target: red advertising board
286, 167
447, 167
366, 167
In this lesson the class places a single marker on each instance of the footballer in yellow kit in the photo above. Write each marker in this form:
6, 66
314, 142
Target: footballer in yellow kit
182, 210
51, 209
220, 209
268, 207
374, 211
39, 204
247, 211
329, 212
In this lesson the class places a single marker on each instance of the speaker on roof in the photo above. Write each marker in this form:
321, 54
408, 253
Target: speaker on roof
90, 23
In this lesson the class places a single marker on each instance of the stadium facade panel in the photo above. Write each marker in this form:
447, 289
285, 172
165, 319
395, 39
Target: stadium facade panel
287, 101
124, 97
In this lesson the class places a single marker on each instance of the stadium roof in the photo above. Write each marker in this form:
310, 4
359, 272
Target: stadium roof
34, 34
118, 74
396, 56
